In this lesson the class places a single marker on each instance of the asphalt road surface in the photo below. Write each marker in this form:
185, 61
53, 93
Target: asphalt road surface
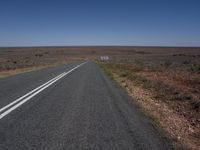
75, 106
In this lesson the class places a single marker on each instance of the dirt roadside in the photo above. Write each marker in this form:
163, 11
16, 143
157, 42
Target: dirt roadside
178, 114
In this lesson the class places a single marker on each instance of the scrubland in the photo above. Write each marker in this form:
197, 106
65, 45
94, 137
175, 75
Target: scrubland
164, 81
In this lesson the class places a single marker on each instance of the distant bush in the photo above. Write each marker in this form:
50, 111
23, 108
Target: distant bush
167, 64
38, 55
185, 62
14, 62
195, 68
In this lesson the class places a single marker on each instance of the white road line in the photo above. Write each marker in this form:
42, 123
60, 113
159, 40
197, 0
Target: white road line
34, 92
17, 100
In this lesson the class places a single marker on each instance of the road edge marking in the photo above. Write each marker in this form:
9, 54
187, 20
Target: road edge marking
33, 93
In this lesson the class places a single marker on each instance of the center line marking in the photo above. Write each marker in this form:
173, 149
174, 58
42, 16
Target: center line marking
33, 93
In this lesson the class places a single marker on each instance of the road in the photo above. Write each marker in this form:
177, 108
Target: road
80, 109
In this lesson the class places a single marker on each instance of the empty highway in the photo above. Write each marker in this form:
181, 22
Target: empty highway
72, 107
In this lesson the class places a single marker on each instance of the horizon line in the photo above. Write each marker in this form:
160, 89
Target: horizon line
32, 46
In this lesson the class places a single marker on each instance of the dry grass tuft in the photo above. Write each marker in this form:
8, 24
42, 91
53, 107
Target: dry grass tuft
161, 94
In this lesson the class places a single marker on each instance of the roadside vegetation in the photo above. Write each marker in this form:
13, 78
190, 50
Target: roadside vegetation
19, 60
15, 71
165, 81
170, 96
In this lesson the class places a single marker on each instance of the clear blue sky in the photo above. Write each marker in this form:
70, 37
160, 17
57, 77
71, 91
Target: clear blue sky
102, 22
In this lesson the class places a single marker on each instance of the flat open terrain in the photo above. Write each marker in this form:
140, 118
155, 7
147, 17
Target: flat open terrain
164, 82
181, 58
75, 112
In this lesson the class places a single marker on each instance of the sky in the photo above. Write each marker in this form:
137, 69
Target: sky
102, 22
